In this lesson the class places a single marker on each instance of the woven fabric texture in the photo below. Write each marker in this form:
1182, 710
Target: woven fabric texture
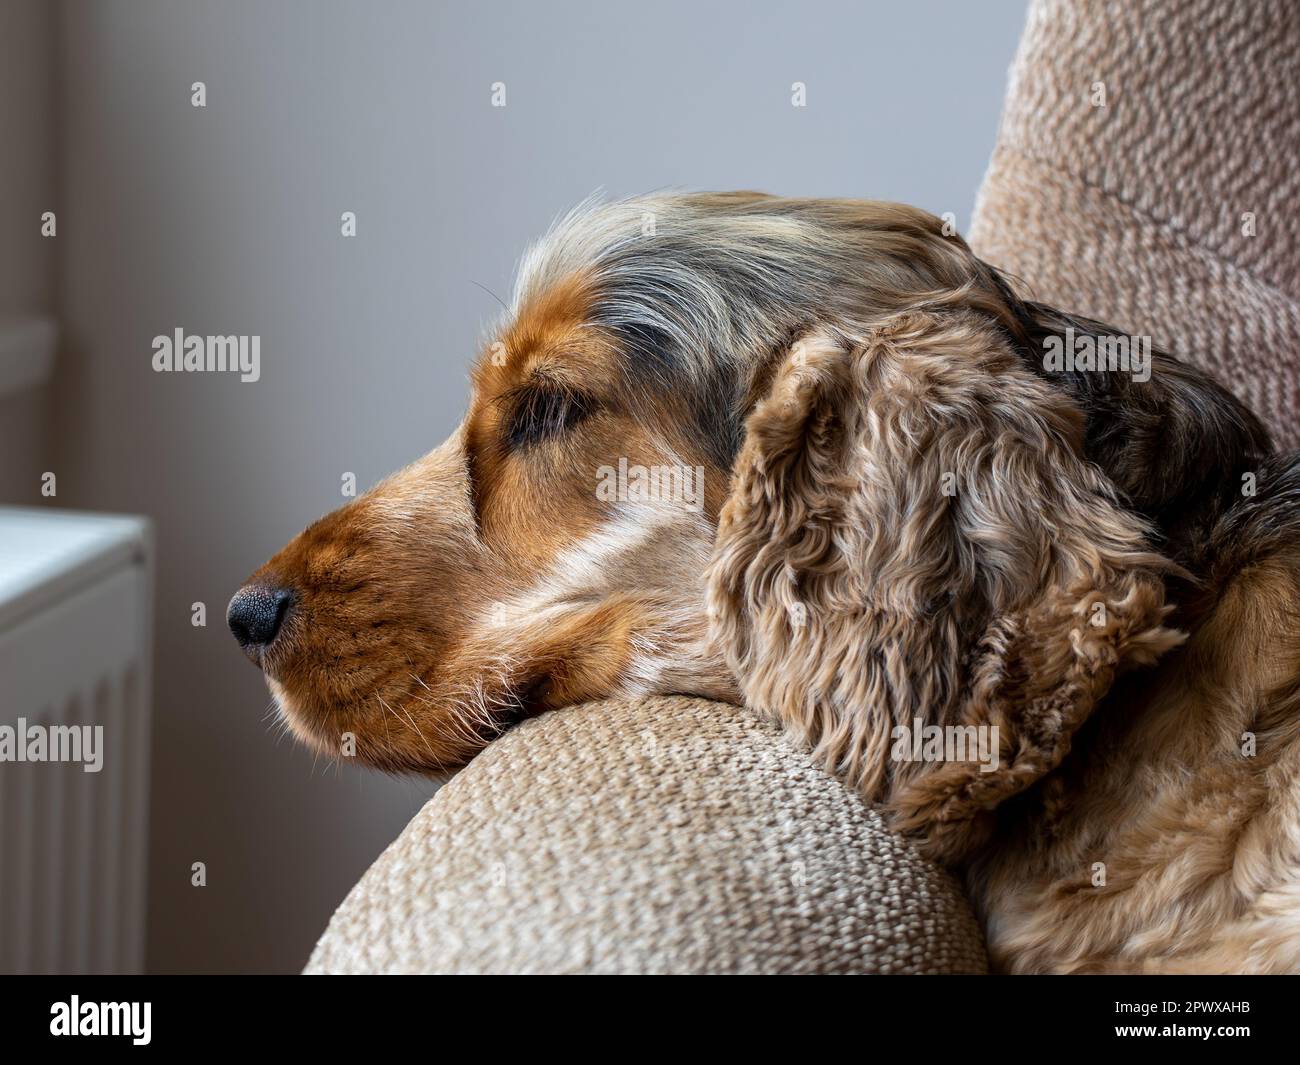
661, 835
1169, 211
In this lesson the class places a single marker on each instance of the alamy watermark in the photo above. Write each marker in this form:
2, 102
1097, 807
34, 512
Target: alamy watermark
212, 354
1110, 353
77, 1018
681, 486
22, 742
920, 742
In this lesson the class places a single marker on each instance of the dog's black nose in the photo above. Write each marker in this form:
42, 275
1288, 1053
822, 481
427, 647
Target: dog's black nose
255, 616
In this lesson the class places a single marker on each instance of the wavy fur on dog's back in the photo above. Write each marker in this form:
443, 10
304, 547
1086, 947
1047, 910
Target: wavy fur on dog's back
1169, 840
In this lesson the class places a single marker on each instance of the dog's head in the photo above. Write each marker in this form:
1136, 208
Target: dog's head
800, 452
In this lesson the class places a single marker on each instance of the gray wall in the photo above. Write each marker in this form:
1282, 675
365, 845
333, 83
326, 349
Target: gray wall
28, 139
226, 220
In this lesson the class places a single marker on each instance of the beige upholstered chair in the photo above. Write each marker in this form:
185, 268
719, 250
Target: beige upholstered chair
675, 835
1170, 211
653, 836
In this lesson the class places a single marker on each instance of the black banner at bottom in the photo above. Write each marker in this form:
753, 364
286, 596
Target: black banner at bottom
141, 1014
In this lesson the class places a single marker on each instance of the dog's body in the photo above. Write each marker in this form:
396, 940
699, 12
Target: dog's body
1169, 839
905, 515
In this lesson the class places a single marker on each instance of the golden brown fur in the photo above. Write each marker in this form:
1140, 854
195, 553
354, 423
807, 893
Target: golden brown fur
904, 519
1184, 796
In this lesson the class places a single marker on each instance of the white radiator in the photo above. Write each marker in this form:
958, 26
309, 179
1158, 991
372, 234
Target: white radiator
75, 606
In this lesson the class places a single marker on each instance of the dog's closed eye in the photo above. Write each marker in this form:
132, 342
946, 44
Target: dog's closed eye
538, 412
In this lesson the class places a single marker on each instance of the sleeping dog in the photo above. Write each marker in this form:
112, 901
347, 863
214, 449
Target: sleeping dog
816, 457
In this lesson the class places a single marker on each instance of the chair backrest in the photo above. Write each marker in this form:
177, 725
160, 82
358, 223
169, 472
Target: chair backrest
1145, 175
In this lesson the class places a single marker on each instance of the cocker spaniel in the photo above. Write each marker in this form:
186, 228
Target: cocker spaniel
815, 456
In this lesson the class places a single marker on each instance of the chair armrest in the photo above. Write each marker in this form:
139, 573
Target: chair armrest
660, 835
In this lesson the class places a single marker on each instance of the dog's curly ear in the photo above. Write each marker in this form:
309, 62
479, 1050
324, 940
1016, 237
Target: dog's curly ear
913, 540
